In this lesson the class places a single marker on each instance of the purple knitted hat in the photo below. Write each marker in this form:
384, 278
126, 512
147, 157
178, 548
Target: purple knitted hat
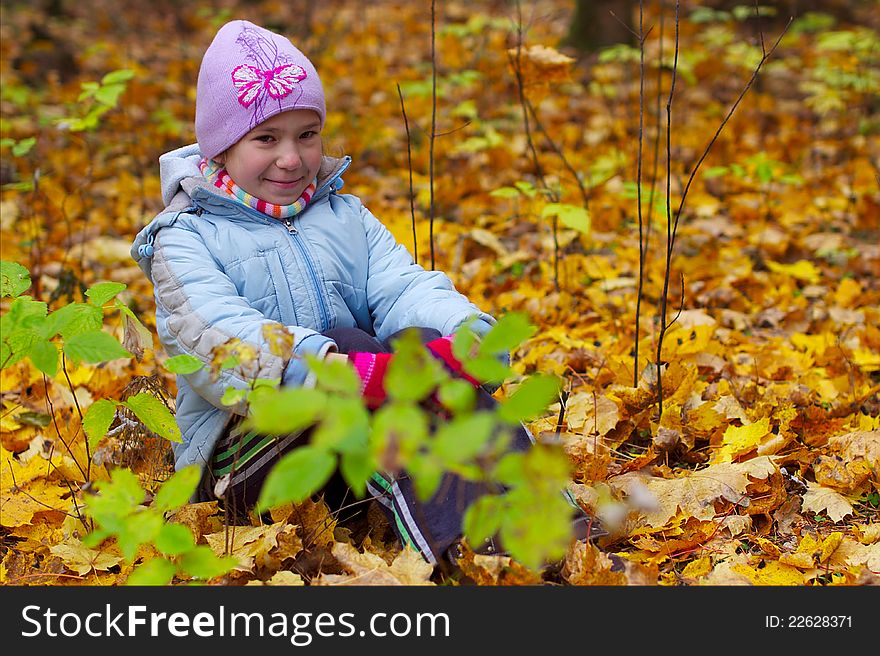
249, 75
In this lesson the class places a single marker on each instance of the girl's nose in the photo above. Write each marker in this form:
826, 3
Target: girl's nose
289, 159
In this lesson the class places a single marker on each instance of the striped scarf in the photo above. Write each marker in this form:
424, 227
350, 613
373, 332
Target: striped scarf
217, 175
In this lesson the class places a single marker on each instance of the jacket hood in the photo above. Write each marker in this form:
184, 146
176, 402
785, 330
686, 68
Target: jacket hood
184, 188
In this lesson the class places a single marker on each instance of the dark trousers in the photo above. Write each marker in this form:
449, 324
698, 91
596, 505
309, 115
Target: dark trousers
430, 526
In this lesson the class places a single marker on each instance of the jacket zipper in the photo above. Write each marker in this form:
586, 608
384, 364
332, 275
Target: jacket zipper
310, 265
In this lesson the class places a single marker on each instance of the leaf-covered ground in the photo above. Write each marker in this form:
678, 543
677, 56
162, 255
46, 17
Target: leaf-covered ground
764, 467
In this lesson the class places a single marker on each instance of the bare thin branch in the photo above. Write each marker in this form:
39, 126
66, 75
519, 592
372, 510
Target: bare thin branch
412, 206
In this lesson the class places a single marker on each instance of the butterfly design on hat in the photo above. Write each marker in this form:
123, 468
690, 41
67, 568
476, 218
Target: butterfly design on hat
273, 76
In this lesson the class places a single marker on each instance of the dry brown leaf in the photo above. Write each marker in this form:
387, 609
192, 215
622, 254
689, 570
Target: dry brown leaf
199, 518
495, 570
696, 493
819, 499
851, 553
592, 415
82, 560
283, 577
408, 568
859, 446
255, 546
586, 565
867, 533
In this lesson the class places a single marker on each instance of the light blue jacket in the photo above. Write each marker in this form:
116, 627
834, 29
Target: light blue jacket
222, 270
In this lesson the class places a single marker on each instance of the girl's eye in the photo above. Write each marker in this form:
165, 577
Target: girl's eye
308, 135
264, 138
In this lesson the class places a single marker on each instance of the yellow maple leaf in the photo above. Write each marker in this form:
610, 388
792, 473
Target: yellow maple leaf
866, 359
738, 440
801, 270
697, 568
773, 573
847, 291
805, 555
819, 499
829, 545
19, 505
687, 341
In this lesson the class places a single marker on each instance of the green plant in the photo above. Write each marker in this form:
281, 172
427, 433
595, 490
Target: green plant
101, 96
530, 513
119, 512
75, 332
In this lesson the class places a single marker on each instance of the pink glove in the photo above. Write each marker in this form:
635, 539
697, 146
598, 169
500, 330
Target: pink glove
371, 368
441, 348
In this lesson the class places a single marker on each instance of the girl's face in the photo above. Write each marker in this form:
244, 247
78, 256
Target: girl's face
278, 159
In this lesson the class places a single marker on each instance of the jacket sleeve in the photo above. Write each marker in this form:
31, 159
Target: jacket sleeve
402, 294
198, 308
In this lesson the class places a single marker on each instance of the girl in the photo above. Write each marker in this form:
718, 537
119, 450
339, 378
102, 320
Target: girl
255, 232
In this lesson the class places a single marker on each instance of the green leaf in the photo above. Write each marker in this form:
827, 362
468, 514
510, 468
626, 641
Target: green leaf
44, 355
296, 476
427, 475
571, 216
526, 188
177, 490
117, 76
203, 563
20, 329
154, 414
14, 279
109, 95
138, 529
92, 347
39, 419
413, 373
156, 571
334, 375
118, 496
458, 395
74, 319
345, 425
504, 192
232, 396
275, 412
509, 331
482, 519
463, 438
103, 292
399, 429
24, 146
487, 369
536, 529
183, 364
356, 466
530, 399
715, 172
97, 420
175, 539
